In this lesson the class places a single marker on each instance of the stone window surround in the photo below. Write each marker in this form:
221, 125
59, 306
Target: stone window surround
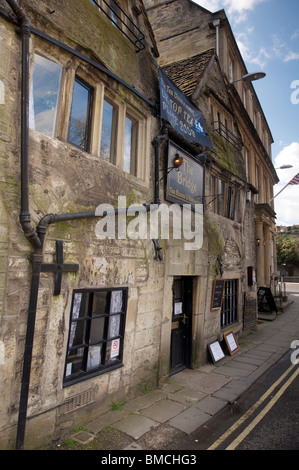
106, 364
216, 176
103, 86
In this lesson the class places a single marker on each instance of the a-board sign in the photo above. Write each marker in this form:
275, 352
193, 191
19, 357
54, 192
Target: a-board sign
217, 294
216, 351
266, 300
231, 342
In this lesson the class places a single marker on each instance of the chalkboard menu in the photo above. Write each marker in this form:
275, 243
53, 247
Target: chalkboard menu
217, 294
266, 300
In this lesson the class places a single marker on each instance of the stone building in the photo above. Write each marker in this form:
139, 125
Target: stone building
200, 31
97, 304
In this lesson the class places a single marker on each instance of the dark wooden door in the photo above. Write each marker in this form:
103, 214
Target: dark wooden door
180, 347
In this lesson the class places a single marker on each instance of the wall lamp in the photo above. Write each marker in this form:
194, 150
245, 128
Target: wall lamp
258, 242
284, 167
176, 162
251, 77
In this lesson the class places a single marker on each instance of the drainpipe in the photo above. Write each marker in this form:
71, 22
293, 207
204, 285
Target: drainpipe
156, 143
25, 218
216, 24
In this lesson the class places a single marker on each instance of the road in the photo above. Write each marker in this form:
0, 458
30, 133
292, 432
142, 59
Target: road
266, 417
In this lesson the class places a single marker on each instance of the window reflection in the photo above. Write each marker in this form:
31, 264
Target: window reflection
129, 164
109, 123
44, 95
80, 115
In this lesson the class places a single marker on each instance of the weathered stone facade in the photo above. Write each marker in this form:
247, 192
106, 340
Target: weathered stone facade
66, 186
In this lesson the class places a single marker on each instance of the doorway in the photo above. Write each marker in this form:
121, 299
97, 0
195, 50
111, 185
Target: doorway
181, 327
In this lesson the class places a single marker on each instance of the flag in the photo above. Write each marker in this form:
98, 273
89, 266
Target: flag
295, 180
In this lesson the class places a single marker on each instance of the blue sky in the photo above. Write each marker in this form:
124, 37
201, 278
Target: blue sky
267, 32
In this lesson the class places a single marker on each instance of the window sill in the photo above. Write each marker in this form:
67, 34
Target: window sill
86, 376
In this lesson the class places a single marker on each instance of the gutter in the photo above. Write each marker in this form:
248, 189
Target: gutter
37, 237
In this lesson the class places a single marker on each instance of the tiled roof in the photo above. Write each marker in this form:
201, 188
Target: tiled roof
186, 73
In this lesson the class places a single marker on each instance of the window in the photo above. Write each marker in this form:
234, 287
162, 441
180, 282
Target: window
225, 198
115, 14
96, 335
44, 95
230, 69
74, 116
230, 201
109, 131
130, 146
229, 311
221, 194
80, 120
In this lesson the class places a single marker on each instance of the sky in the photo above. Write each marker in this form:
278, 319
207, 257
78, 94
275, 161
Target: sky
267, 33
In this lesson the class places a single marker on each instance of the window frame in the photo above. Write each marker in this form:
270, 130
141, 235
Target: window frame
101, 90
86, 372
229, 309
89, 114
114, 128
134, 144
57, 113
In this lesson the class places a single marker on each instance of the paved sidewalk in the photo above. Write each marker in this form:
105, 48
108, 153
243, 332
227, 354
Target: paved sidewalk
191, 398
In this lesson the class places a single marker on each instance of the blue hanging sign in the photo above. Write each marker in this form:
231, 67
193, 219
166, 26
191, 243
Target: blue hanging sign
185, 118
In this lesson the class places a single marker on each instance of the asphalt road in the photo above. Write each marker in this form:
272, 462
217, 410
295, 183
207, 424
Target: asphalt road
265, 418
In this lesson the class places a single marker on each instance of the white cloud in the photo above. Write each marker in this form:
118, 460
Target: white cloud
286, 204
249, 55
291, 56
236, 8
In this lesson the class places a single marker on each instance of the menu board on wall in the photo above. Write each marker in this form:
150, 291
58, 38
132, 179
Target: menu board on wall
217, 294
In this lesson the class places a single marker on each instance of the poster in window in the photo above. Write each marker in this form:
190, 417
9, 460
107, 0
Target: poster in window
94, 356
178, 308
116, 301
115, 348
114, 325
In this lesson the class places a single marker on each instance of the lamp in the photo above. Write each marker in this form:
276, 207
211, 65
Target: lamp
251, 77
177, 161
284, 167
258, 241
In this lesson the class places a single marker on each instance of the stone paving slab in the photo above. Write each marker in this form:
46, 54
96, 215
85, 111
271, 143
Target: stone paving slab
163, 410
189, 420
211, 405
187, 396
203, 382
136, 425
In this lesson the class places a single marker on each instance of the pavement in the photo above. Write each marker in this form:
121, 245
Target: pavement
189, 399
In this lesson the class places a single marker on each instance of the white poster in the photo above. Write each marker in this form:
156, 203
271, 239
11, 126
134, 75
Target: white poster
115, 348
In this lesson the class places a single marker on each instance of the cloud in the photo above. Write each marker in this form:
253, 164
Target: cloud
286, 203
291, 56
236, 8
282, 51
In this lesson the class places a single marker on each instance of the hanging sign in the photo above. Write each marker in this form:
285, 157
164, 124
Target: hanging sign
185, 118
185, 185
